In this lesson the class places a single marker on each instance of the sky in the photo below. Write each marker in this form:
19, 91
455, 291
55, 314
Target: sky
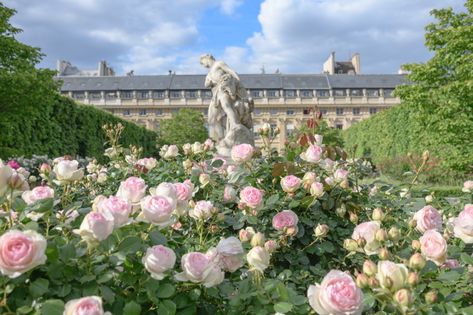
292, 36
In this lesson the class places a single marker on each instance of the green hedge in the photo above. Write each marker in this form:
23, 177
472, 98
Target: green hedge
65, 127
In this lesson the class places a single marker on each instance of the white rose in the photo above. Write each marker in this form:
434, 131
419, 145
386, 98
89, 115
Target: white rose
158, 260
258, 258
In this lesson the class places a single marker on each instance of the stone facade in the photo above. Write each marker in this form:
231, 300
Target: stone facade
282, 100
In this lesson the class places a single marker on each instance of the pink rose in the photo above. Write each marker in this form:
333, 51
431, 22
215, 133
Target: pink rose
313, 154
132, 189
38, 193
433, 246
199, 268
367, 231
148, 163
340, 175
184, 191
21, 251
308, 179
450, 264
463, 225
208, 145
286, 221
89, 305
428, 218
230, 252
157, 210
203, 210
290, 183
317, 189
271, 245
118, 207
245, 235
336, 295
242, 153
14, 164
158, 260
96, 226
251, 197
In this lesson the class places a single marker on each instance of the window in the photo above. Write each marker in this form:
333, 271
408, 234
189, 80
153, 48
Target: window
159, 112
274, 111
356, 111
126, 112
339, 92
323, 93
191, 94
273, 93
339, 111
206, 112
95, 95
257, 111
273, 126
142, 112
126, 95
175, 94
175, 110
290, 93
388, 92
290, 112
78, 95
373, 110
306, 93
159, 94
306, 111
356, 92
111, 95
206, 94
142, 95
256, 93
372, 92
289, 129
339, 126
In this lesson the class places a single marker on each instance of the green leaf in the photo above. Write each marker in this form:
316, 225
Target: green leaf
368, 301
24, 310
282, 307
217, 163
67, 252
166, 290
272, 200
129, 245
52, 307
105, 277
166, 307
39, 287
132, 308
449, 276
42, 205
158, 238
467, 259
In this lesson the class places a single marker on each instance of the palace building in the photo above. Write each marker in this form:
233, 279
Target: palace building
282, 100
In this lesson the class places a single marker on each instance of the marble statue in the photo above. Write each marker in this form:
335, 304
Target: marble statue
230, 109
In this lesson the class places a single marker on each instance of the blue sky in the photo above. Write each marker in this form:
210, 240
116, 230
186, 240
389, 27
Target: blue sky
294, 36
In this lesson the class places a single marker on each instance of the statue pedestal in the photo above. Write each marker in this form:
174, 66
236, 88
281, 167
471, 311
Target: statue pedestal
237, 135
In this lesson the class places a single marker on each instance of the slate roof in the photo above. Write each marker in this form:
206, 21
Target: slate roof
250, 81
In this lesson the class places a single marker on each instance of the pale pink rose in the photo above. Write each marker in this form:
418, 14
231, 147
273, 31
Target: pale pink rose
317, 189
132, 189
229, 194
463, 225
148, 163
230, 252
89, 305
313, 154
171, 152
67, 171
157, 260
200, 268
428, 218
468, 186
197, 148
45, 168
290, 183
157, 210
450, 264
308, 179
247, 234
391, 276
251, 197
329, 181
286, 221
118, 207
340, 175
327, 164
96, 226
434, 247
336, 295
38, 193
165, 189
367, 231
258, 258
203, 210
271, 245
208, 145
231, 169
184, 191
242, 153
21, 251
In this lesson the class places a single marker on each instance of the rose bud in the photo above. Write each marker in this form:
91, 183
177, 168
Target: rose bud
369, 268
350, 245
403, 297
245, 235
271, 245
426, 155
384, 254
362, 281
415, 245
353, 218
378, 214
45, 168
341, 211
431, 297
321, 230
417, 261
258, 239
413, 278
381, 235
373, 282
412, 223
394, 234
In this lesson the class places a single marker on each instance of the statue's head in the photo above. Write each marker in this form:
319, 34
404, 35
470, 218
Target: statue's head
207, 60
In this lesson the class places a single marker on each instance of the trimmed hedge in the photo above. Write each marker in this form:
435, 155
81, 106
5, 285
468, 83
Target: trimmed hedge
65, 127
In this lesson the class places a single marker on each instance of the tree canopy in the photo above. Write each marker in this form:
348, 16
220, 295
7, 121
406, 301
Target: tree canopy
186, 126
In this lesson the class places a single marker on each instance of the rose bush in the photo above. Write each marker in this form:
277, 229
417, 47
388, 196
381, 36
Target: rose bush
303, 232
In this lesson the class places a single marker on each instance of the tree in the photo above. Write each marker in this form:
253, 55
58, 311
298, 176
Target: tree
442, 89
185, 126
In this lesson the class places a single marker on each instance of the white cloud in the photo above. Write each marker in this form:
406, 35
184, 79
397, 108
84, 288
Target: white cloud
229, 6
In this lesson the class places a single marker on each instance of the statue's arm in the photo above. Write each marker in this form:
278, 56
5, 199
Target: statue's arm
208, 82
